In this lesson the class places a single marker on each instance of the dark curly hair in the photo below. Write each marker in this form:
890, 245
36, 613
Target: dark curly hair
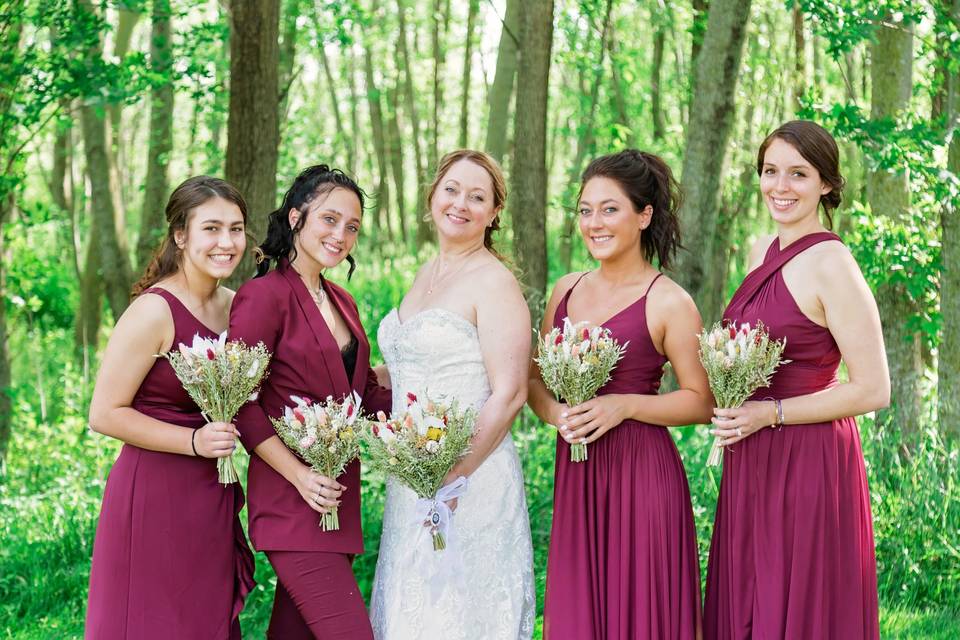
312, 182
647, 180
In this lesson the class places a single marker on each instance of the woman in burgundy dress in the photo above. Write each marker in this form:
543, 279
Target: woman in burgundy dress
170, 559
623, 552
313, 328
792, 553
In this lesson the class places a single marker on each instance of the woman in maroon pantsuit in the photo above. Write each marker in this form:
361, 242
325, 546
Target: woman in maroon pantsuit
319, 349
170, 559
623, 551
792, 554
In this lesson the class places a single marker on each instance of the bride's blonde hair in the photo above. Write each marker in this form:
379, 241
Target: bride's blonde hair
492, 167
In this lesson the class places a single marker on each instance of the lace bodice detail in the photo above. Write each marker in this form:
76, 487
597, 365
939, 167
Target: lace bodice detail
437, 353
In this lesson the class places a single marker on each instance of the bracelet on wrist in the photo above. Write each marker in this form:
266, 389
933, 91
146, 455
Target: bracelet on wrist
193, 443
779, 413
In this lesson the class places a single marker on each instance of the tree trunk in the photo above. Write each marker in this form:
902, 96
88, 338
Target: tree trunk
503, 82
375, 109
10, 39
617, 96
423, 229
948, 357
335, 97
891, 73
528, 199
161, 136
439, 57
113, 265
656, 108
288, 54
128, 14
253, 132
467, 68
799, 56
708, 132
395, 151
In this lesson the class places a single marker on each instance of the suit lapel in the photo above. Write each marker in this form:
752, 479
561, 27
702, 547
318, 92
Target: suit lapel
340, 300
330, 358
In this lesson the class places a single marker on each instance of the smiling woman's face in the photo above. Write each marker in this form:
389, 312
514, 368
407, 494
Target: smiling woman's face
462, 204
330, 229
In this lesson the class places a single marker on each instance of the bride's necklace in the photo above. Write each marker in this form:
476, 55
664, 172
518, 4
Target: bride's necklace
436, 279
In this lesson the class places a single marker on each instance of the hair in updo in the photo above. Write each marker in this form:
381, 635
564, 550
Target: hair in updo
816, 146
191, 193
492, 167
647, 180
312, 182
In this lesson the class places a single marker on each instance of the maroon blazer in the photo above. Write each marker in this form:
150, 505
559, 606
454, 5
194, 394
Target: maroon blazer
277, 309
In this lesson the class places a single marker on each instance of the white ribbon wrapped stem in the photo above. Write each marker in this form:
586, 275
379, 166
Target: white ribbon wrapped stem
435, 514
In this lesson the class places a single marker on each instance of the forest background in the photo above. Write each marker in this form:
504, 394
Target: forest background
107, 105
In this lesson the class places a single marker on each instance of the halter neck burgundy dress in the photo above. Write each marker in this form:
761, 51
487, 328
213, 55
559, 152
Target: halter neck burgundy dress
792, 555
623, 550
170, 559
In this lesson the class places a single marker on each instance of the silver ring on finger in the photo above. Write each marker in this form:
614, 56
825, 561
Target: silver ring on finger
739, 432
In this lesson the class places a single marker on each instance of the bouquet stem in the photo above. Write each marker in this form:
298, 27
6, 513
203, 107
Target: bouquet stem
226, 471
716, 454
439, 543
578, 452
330, 520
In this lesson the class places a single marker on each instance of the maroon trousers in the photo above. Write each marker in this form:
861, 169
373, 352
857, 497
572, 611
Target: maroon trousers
317, 597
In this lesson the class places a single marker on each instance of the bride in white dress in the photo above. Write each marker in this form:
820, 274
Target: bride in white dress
462, 332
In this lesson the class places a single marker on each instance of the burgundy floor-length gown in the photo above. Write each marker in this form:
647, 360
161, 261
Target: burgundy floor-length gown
169, 559
623, 551
792, 555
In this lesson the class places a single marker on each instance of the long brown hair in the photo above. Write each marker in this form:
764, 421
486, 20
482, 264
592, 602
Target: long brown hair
816, 146
492, 167
191, 193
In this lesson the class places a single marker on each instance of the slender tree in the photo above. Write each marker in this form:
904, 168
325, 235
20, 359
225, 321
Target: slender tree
472, 12
948, 361
161, 134
377, 126
891, 78
106, 230
528, 198
503, 82
708, 132
253, 133
423, 229
656, 69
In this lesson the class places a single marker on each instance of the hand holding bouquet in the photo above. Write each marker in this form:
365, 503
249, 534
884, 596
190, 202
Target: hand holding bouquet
220, 377
574, 363
324, 436
738, 362
419, 447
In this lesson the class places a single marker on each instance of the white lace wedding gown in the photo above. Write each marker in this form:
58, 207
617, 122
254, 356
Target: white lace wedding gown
490, 595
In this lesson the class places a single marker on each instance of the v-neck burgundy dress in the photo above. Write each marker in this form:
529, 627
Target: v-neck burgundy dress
623, 551
792, 555
169, 559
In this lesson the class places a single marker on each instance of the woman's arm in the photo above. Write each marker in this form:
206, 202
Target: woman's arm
854, 321
671, 313
503, 325
143, 331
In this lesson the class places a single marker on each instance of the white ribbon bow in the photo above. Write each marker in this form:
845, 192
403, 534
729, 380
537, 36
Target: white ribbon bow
435, 514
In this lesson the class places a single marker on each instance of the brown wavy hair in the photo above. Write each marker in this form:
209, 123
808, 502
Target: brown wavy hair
191, 193
816, 146
492, 167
